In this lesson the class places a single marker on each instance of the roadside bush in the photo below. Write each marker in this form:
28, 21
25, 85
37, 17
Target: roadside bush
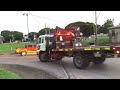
101, 41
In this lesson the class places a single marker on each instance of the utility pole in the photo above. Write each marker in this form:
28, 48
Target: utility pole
27, 25
45, 29
95, 27
49, 30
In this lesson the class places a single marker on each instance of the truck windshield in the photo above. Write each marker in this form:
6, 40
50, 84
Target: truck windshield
38, 41
50, 39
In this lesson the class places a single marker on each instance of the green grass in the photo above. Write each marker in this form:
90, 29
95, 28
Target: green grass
5, 74
9, 48
103, 40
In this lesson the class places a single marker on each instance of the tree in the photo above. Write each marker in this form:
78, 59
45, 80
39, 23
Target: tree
11, 35
105, 27
6, 35
17, 35
45, 31
86, 28
32, 35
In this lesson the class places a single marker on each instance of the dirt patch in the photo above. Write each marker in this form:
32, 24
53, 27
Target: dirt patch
26, 72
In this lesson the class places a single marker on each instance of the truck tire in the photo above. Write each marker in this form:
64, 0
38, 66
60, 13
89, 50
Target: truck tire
80, 61
99, 60
23, 53
59, 58
43, 57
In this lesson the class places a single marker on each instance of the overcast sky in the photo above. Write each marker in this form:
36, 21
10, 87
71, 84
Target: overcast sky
15, 21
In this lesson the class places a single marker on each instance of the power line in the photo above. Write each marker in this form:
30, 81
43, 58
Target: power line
34, 18
99, 14
45, 18
50, 19
88, 15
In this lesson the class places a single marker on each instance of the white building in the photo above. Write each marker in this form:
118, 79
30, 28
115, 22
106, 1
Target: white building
114, 32
1, 39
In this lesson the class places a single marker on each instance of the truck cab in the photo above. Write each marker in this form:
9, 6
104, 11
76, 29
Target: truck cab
44, 42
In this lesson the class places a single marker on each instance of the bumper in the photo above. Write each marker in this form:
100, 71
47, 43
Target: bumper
17, 52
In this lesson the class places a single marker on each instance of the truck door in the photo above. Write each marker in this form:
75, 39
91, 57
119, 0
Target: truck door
42, 44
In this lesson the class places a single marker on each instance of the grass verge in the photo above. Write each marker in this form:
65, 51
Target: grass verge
9, 48
104, 40
5, 74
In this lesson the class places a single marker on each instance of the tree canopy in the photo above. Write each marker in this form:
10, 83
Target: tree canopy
86, 28
11, 35
32, 35
45, 31
105, 27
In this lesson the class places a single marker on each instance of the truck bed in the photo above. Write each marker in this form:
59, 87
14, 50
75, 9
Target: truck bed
84, 48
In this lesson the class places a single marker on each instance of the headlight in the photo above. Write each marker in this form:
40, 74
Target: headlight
80, 44
76, 44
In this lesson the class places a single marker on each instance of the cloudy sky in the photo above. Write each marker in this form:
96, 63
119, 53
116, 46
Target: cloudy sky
16, 21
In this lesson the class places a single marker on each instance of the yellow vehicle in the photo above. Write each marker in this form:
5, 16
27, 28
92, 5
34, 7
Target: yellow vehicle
28, 49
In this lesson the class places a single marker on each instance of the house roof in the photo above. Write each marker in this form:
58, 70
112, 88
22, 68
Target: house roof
114, 27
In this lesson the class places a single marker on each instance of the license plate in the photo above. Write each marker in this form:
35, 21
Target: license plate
97, 55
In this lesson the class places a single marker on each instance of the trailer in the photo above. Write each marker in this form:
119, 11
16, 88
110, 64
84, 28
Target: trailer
66, 43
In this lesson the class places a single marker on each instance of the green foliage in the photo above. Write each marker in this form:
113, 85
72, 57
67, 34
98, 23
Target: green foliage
13, 35
17, 35
31, 35
86, 28
45, 31
6, 34
5, 74
103, 40
105, 27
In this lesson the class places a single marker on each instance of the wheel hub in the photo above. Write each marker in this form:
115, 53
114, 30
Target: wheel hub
78, 60
23, 53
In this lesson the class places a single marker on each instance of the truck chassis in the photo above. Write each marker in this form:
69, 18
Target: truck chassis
82, 56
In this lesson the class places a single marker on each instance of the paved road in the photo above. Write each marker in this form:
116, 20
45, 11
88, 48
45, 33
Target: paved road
109, 70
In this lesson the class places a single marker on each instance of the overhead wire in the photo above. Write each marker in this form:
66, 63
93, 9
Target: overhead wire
98, 14
89, 14
34, 18
45, 17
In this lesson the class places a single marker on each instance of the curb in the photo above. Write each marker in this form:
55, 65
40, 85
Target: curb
7, 54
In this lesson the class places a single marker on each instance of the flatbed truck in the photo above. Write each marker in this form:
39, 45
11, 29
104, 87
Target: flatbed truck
66, 43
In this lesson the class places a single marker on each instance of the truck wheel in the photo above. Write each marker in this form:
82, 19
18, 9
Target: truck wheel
23, 53
99, 60
59, 58
80, 62
43, 57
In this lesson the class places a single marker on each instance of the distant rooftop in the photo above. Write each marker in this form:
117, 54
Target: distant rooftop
114, 27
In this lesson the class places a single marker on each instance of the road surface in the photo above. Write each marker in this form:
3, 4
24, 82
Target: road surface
109, 70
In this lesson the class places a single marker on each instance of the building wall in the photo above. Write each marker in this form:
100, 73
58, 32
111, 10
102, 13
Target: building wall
1, 39
115, 35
